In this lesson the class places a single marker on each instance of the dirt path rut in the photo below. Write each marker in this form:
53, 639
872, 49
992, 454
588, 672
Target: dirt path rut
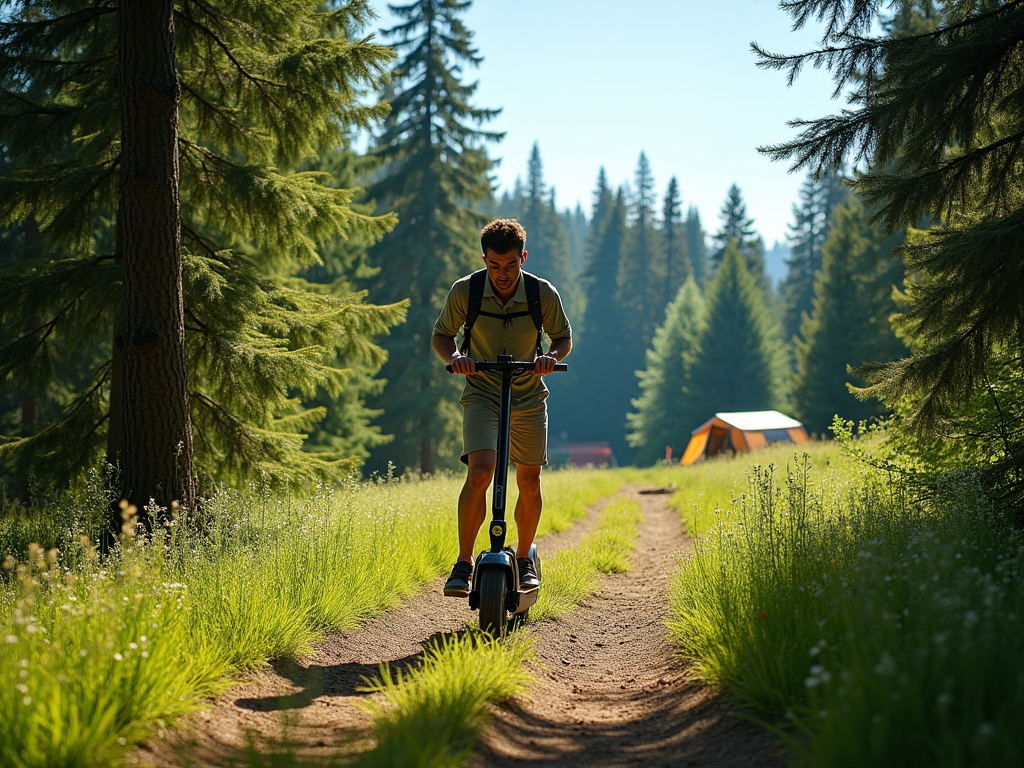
608, 691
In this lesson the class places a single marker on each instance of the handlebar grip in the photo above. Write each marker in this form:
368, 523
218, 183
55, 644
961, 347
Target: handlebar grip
558, 367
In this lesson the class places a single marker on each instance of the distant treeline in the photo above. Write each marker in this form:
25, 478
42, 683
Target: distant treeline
672, 325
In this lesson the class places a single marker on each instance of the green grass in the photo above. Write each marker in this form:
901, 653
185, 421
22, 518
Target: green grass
429, 717
571, 574
92, 654
880, 629
712, 486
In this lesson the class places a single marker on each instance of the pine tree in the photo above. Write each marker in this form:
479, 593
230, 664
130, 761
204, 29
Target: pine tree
547, 241
434, 169
941, 127
673, 236
510, 206
262, 87
696, 246
849, 324
738, 226
575, 223
641, 268
739, 364
664, 415
347, 427
811, 224
601, 394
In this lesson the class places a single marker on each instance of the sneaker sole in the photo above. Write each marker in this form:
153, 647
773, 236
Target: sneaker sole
456, 592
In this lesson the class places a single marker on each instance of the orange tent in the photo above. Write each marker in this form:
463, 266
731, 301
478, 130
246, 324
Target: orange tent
742, 431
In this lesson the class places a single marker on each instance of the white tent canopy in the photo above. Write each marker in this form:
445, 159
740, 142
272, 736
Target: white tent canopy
757, 420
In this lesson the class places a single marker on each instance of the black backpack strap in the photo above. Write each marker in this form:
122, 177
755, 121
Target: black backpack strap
532, 286
476, 299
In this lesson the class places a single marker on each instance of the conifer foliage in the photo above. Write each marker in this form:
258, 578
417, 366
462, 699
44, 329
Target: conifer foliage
810, 227
849, 324
602, 384
937, 114
664, 414
547, 240
641, 265
739, 364
696, 246
673, 234
739, 226
434, 170
259, 88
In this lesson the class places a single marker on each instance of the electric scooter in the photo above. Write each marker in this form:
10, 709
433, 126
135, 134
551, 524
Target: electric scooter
495, 589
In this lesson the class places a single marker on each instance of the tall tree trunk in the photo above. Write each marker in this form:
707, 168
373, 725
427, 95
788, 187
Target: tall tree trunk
115, 416
156, 456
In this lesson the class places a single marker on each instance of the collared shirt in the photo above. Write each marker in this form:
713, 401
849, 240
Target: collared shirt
493, 336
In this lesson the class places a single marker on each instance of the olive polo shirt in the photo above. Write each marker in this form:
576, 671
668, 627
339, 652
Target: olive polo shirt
493, 336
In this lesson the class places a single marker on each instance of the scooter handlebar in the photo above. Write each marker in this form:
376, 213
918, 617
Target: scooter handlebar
519, 365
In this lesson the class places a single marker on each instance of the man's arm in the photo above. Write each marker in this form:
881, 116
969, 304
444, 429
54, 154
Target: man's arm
545, 364
448, 351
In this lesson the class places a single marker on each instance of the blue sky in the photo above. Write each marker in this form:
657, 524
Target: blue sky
595, 82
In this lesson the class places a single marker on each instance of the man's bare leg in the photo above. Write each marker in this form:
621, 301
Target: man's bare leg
528, 507
473, 500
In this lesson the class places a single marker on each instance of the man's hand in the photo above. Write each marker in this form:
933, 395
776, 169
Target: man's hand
464, 365
544, 364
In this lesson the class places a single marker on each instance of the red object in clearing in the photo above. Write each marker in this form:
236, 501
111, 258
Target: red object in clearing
597, 454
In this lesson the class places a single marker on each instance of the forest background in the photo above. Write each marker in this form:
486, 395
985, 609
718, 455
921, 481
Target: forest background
314, 270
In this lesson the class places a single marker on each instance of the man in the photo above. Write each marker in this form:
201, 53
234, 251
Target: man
505, 325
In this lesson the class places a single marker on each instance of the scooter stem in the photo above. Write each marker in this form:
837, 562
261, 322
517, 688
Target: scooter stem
498, 495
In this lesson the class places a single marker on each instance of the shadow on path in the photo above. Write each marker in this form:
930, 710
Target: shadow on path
347, 679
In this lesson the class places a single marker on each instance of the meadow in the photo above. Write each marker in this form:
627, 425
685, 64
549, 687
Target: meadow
865, 622
96, 652
868, 622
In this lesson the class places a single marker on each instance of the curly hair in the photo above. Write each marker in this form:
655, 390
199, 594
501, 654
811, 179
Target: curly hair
502, 235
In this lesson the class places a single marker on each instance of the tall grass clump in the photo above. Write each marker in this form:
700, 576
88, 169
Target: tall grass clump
93, 651
428, 717
572, 574
885, 630
712, 485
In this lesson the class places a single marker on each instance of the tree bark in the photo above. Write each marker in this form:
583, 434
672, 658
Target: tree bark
156, 455
115, 418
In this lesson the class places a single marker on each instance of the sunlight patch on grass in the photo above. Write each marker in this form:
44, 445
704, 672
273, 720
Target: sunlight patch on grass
882, 629
93, 653
428, 717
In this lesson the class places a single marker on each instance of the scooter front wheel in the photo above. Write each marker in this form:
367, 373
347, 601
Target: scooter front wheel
493, 590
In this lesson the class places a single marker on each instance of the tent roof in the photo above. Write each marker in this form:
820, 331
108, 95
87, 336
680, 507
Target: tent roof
758, 420
754, 421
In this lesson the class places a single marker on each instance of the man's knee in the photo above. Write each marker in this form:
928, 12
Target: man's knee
528, 480
481, 470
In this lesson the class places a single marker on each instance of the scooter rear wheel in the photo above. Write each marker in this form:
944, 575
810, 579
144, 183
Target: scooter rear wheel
493, 589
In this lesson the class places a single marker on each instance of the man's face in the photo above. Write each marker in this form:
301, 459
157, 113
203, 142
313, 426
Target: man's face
504, 268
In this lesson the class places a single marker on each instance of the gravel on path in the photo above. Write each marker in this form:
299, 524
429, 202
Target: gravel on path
608, 689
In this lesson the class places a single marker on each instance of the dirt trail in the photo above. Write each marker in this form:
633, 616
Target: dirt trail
314, 700
608, 691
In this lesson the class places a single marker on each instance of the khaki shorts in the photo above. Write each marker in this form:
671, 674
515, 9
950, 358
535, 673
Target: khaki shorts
528, 429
